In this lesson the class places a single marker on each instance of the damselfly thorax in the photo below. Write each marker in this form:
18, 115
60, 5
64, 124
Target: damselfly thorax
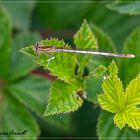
41, 48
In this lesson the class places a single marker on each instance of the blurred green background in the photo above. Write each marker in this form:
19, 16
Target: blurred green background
24, 87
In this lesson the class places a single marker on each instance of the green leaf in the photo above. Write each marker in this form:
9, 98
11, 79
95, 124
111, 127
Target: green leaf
123, 105
5, 41
20, 13
84, 39
130, 68
63, 66
131, 8
113, 98
130, 116
107, 130
64, 99
32, 92
22, 64
113, 70
133, 92
29, 51
14, 116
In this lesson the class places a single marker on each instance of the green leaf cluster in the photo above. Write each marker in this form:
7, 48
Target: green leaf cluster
16, 103
128, 69
69, 70
122, 103
26, 93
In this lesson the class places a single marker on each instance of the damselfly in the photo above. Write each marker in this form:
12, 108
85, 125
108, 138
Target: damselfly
48, 49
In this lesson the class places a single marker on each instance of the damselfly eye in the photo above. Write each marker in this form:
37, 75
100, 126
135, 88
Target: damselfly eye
36, 47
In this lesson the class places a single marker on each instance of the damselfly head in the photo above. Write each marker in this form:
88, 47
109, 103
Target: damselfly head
36, 47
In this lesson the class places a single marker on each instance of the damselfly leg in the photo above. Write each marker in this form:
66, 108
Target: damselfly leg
50, 59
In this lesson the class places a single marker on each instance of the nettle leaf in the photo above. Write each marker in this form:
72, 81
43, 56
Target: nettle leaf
113, 70
130, 116
54, 42
64, 99
29, 51
123, 104
62, 66
5, 41
112, 98
84, 39
131, 8
63, 94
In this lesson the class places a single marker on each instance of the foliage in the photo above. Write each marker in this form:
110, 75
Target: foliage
128, 70
122, 103
24, 94
63, 98
14, 101
114, 103
70, 80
